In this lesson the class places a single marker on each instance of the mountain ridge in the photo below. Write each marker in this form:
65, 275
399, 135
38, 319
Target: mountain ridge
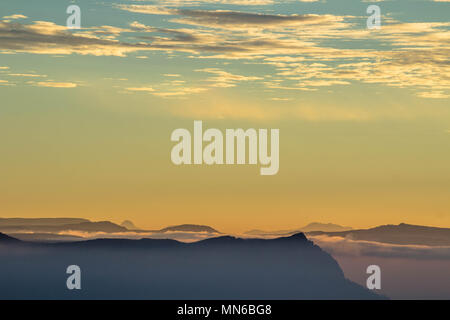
223, 267
189, 228
46, 225
313, 226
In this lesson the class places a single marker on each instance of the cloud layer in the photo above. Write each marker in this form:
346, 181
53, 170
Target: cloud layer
347, 247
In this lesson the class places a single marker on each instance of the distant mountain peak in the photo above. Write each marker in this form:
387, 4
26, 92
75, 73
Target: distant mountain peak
311, 227
297, 236
328, 227
403, 225
129, 225
189, 228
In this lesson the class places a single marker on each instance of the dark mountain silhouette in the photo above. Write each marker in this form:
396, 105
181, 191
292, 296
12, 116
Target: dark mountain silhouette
398, 234
216, 268
5, 238
314, 226
189, 228
258, 232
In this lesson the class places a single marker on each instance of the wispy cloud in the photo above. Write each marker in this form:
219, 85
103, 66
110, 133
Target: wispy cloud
27, 75
171, 92
14, 17
180, 236
434, 94
306, 63
52, 84
48, 38
141, 89
180, 92
224, 79
344, 246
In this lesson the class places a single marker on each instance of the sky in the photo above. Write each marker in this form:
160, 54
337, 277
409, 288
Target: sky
86, 114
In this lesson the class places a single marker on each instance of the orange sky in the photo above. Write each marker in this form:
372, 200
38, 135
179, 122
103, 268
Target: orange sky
85, 123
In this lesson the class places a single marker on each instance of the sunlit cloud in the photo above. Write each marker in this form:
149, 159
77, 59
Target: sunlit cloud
141, 89
433, 95
349, 247
224, 79
14, 17
299, 63
6, 83
51, 84
177, 235
180, 92
27, 75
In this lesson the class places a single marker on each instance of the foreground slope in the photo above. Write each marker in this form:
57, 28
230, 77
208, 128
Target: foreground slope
217, 268
7, 239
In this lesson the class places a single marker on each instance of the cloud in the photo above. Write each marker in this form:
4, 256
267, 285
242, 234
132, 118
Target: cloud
242, 35
419, 68
433, 94
147, 9
180, 236
416, 56
51, 84
178, 35
27, 75
227, 18
242, 20
14, 17
141, 89
48, 38
224, 79
173, 91
280, 99
348, 247
180, 92
116, 79
245, 2
322, 83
